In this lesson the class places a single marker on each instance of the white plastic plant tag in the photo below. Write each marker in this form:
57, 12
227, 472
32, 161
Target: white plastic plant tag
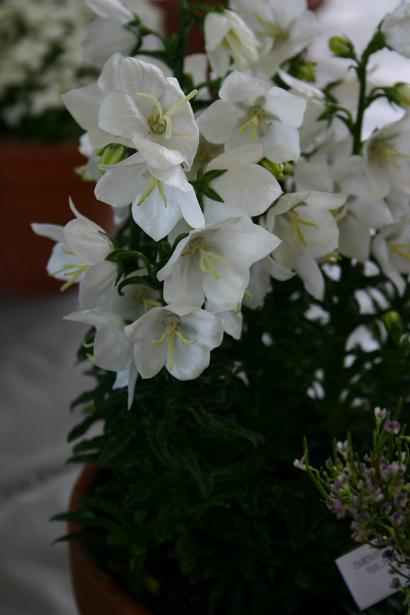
366, 573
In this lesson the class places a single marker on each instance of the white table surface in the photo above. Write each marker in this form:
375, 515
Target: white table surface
38, 381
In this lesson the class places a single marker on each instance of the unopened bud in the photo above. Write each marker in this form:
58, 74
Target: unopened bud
112, 154
394, 325
342, 47
281, 170
399, 94
306, 71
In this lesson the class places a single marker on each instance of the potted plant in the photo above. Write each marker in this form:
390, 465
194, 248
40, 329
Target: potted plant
249, 296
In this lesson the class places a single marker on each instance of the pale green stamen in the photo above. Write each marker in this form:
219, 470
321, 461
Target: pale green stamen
170, 333
208, 260
255, 120
384, 149
296, 222
401, 249
160, 123
73, 272
276, 32
152, 185
150, 303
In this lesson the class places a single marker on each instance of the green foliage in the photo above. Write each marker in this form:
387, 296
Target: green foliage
197, 502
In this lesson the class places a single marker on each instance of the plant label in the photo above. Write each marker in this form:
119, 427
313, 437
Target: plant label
366, 573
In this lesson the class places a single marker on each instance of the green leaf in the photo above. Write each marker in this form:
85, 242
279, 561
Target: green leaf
212, 194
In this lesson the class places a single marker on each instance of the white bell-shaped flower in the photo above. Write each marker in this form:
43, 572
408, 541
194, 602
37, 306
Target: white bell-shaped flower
396, 28
214, 263
133, 103
387, 154
312, 127
232, 319
332, 168
160, 198
229, 42
246, 188
283, 27
251, 110
309, 232
108, 34
391, 249
176, 337
112, 349
79, 256
84, 103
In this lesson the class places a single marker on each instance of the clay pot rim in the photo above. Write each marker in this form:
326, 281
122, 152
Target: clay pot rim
79, 554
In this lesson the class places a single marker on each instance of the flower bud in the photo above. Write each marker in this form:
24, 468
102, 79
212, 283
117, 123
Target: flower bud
112, 154
280, 170
306, 71
342, 47
394, 325
400, 94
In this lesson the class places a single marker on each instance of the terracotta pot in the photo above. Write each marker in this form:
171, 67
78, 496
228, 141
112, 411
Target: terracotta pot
35, 183
95, 592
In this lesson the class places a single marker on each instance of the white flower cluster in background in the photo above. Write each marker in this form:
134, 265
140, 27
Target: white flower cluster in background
250, 191
41, 48
40, 53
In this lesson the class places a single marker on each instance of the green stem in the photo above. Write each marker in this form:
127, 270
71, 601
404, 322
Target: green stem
361, 108
377, 43
185, 26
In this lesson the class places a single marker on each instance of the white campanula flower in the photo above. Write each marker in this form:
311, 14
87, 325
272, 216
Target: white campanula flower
79, 256
179, 338
260, 284
333, 169
84, 103
251, 110
396, 28
283, 27
134, 104
312, 127
391, 249
214, 263
160, 198
387, 154
232, 319
308, 232
112, 349
399, 205
229, 42
107, 34
246, 188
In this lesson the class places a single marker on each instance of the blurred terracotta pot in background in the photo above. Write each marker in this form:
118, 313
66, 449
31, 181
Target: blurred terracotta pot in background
35, 183
95, 592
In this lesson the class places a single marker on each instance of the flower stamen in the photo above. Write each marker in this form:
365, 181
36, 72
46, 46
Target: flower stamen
172, 331
401, 249
72, 272
160, 123
207, 260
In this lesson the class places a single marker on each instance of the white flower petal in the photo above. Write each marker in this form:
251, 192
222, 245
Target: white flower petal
219, 121
87, 240
96, 284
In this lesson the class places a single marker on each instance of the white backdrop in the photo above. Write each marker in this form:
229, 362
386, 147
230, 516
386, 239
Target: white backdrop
38, 381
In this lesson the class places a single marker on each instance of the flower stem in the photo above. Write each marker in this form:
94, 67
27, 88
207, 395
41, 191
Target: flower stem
377, 43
